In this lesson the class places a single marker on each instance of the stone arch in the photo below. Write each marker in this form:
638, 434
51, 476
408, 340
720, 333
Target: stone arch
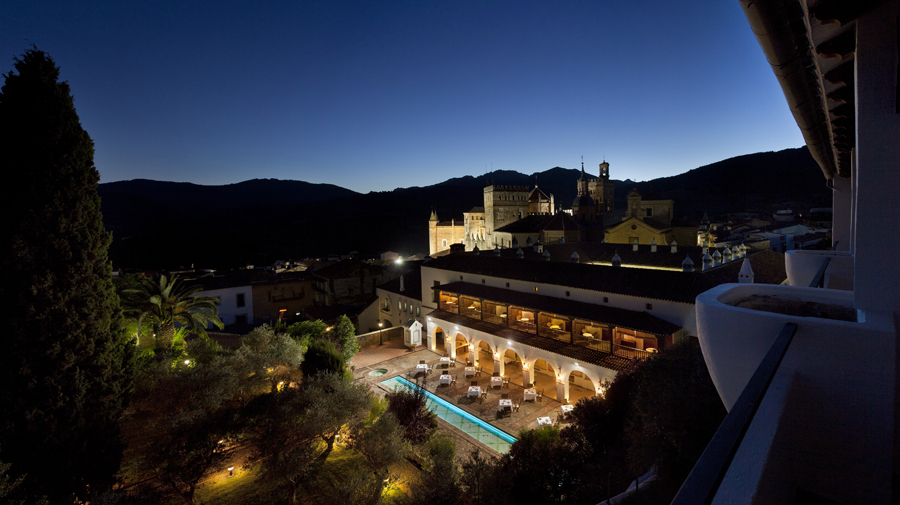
485, 360
512, 361
458, 345
437, 337
587, 384
385, 323
545, 374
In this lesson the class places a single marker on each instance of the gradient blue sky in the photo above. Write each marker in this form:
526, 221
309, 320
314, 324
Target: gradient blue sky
374, 95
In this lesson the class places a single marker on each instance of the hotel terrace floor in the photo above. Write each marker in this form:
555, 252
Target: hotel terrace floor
396, 360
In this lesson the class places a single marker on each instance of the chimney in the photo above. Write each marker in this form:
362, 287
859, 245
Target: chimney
727, 255
401, 284
539, 246
653, 246
634, 246
496, 250
520, 254
707, 261
746, 274
674, 246
688, 264
616, 260
546, 256
717, 258
528, 242
575, 257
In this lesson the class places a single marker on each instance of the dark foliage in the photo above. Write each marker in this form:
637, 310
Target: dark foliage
662, 412
66, 364
411, 409
322, 356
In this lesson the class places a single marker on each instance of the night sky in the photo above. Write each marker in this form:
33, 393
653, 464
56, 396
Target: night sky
377, 95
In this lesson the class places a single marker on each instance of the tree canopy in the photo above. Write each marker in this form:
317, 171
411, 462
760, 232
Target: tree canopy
164, 302
66, 364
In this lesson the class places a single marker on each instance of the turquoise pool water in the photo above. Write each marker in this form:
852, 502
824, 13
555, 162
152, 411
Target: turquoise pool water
482, 431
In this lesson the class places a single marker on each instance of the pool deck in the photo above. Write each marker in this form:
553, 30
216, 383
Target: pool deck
403, 364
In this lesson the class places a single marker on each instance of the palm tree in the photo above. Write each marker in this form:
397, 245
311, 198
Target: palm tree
162, 303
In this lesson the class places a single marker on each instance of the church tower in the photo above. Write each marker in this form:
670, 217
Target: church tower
602, 191
584, 208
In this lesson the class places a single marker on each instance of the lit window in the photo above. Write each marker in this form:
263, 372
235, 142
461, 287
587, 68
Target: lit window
444, 242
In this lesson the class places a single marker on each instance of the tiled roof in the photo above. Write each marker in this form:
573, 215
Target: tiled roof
477, 210
622, 318
528, 224
643, 283
577, 353
412, 283
599, 252
560, 222
343, 268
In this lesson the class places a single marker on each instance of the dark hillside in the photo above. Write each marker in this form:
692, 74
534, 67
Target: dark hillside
167, 225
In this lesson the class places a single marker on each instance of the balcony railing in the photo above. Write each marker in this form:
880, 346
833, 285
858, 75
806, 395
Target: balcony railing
702, 484
630, 352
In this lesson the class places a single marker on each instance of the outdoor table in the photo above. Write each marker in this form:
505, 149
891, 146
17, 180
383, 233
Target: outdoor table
445, 362
544, 421
504, 405
474, 391
496, 382
530, 394
421, 369
445, 379
470, 371
554, 327
565, 409
586, 334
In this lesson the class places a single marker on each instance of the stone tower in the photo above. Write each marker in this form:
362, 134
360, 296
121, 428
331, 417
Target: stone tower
432, 233
503, 205
601, 191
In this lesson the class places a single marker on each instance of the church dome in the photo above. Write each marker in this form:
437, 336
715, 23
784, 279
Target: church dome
583, 201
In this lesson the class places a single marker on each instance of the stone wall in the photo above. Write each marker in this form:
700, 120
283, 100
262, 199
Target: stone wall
373, 338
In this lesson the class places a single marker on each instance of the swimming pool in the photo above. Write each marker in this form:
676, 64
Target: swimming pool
482, 431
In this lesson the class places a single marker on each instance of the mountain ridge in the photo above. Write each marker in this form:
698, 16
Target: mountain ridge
260, 220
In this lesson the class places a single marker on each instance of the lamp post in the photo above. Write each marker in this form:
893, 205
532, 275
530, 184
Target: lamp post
380, 333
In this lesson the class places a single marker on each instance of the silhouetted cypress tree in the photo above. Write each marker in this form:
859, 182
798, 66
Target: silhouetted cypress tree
65, 364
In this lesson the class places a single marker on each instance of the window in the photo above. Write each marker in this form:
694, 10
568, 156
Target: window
417, 311
387, 304
435, 295
507, 284
482, 281
567, 293
462, 241
649, 306
535, 289
241, 319
444, 242
399, 305
605, 299
240, 300
648, 212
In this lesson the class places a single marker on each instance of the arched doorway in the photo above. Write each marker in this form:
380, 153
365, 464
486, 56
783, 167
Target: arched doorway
484, 353
581, 385
512, 366
461, 345
438, 337
545, 377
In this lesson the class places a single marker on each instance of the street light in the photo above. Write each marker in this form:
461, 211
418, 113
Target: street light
380, 333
